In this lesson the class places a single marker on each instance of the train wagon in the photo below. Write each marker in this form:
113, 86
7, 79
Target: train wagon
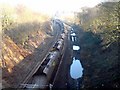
42, 78
51, 65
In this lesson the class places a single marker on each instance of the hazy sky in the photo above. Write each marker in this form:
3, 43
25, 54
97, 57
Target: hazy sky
51, 6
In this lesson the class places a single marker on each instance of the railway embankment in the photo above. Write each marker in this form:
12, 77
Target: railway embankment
100, 63
19, 60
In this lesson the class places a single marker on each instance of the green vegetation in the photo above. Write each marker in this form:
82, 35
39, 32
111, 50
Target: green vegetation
100, 45
102, 19
23, 31
20, 24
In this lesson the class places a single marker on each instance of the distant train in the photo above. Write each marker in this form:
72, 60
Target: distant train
45, 74
60, 23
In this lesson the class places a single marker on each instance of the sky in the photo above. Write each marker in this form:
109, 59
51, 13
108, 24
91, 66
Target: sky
52, 6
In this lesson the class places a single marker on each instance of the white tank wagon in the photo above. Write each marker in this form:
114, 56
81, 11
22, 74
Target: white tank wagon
51, 65
60, 45
41, 79
43, 65
63, 35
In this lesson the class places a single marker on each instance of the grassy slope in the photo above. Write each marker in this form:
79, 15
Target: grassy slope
18, 58
12, 55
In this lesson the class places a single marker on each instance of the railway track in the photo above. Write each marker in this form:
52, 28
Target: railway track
60, 61
35, 69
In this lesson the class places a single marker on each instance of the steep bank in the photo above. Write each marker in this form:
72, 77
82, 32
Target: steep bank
100, 45
101, 65
11, 56
19, 59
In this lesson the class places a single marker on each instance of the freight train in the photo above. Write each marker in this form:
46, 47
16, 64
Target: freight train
44, 76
